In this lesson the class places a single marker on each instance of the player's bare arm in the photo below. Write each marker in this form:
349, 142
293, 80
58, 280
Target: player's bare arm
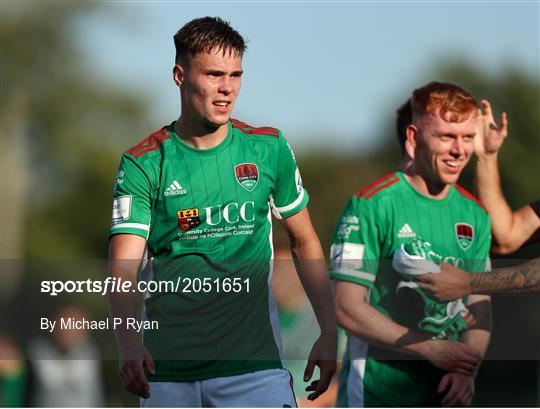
479, 335
312, 271
510, 229
460, 388
125, 254
518, 279
357, 316
453, 283
524, 228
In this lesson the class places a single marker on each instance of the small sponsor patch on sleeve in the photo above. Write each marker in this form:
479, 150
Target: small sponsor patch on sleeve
347, 256
121, 209
348, 224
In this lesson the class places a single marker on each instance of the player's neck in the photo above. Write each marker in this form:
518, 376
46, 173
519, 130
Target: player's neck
200, 136
424, 186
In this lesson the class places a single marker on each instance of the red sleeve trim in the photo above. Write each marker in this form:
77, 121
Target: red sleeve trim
265, 130
465, 193
381, 187
150, 143
378, 185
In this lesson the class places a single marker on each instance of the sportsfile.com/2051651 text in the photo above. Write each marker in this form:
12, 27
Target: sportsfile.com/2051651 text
114, 284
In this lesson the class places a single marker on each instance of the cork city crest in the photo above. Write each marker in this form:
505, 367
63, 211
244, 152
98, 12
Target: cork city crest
464, 235
188, 219
247, 175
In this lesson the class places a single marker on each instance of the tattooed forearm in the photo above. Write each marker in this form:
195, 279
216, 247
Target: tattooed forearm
517, 279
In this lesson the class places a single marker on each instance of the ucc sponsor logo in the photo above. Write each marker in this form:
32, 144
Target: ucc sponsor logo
231, 213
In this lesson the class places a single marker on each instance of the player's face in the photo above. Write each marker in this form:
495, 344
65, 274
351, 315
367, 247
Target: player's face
443, 148
210, 86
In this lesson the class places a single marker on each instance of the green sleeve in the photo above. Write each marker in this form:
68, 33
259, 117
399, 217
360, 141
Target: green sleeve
131, 199
355, 250
289, 196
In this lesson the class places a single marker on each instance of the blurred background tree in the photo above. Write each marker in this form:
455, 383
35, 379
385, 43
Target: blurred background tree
61, 138
61, 134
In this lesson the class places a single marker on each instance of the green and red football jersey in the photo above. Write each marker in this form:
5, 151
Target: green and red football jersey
206, 215
376, 222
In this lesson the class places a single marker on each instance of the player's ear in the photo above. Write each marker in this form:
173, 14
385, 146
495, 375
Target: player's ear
178, 74
411, 141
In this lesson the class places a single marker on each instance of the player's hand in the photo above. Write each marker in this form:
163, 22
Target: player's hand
489, 136
452, 356
459, 389
132, 372
450, 284
323, 354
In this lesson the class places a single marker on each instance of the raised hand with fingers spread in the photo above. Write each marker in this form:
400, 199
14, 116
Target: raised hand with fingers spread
489, 136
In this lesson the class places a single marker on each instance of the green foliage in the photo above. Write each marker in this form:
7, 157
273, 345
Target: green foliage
72, 127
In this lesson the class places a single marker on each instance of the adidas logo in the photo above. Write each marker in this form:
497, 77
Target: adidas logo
406, 232
175, 189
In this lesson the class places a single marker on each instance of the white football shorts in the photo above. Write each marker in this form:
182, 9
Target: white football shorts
266, 388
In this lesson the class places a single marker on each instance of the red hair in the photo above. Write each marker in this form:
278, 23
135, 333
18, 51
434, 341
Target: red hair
450, 102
